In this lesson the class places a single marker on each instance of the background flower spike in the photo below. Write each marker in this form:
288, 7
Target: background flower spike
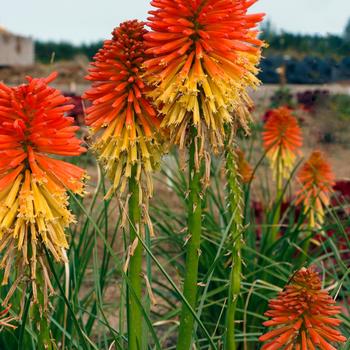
316, 180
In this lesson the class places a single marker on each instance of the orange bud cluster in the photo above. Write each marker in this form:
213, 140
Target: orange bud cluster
303, 316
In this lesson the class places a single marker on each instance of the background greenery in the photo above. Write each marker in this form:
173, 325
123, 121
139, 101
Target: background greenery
92, 314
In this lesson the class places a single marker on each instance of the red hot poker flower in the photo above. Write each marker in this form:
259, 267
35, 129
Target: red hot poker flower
32, 126
316, 179
282, 138
205, 56
33, 206
302, 316
121, 115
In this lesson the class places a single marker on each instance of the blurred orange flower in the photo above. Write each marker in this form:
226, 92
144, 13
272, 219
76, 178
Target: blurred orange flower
317, 180
282, 139
121, 115
33, 208
205, 56
244, 168
302, 316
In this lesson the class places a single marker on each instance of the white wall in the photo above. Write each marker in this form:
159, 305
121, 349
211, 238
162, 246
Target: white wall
16, 50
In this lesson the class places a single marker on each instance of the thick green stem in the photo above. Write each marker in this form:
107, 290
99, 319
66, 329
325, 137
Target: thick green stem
41, 318
192, 255
235, 202
135, 267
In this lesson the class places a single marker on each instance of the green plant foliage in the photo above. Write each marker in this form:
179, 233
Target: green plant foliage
340, 104
89, 312
63, 51
265, 269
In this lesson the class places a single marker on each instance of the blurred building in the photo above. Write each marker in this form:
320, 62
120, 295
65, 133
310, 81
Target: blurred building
15, 50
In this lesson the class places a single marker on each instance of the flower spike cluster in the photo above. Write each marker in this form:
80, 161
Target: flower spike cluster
33, 185
282, 138
303, 316
205, 54
121, 115
317, 180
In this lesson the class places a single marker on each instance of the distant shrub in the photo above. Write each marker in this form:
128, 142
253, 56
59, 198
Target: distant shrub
309, 70
63, 51
282, 97
340, 104
310, 98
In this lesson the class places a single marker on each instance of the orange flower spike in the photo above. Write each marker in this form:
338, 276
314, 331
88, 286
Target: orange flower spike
205, 54
33, 207
123, 119
303, 315
316, 179
282, 139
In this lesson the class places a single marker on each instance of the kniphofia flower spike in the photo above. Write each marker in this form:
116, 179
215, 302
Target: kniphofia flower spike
121, 115
205, 56
302, 316
282, 138
33, 185
317, 180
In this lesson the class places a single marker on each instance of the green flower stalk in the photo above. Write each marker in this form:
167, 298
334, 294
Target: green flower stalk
193, 248
135, 265
235, 205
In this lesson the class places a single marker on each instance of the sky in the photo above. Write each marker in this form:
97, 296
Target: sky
86, 21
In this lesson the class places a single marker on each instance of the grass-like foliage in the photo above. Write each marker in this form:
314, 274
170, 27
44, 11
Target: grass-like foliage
89, 309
